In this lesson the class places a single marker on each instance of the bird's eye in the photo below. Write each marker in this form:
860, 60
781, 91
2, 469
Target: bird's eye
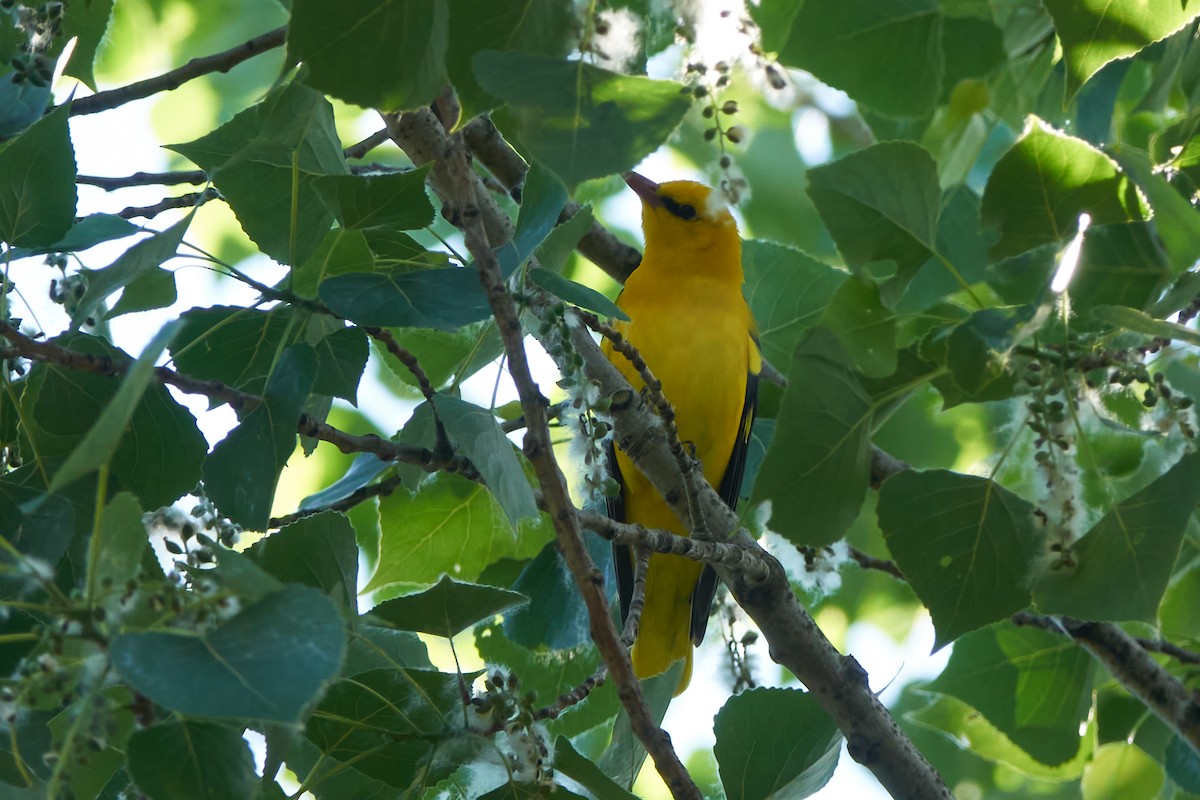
687, 212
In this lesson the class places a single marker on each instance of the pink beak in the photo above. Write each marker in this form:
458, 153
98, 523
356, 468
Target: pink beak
644, 188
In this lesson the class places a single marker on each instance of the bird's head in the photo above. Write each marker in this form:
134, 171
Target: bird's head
683, 215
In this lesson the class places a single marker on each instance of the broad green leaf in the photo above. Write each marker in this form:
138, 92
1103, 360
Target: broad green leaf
1133, 546
625, 755
1182, 764
21, 103
1140, 322
867, 329
476, 433
341, 358
586, 773
558, 245
576, 293
234, 345
965, 543
317, 551
122, 542
102, 440
383, 54
268, 662
880, 203
137, 262
972, 48
86, 23
1118, 264
161, 450
897, 66
242, 470
154, 289
1175, 220
787, 290
387, 722
395, 201
977, 349
451, 525
1034, 686
514, 790
1121, 771
543, 197
970, 730
775, 743
964, 246
112, 708
371, 647
579, 120
540, 27
556, 616
330, 780
340, 252
365, 468
445, 299
37, 183
192, 760
1095, 32
815, 471
551, 674
448, 607
36, 525
268, 162
1039, 188
1176, 617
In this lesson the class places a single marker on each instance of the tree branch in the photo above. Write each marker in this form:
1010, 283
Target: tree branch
1130, 663
190, 200
219, 62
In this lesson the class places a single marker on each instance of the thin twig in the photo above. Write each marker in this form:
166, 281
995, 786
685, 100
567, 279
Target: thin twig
868, 561
385, 337
219, 62
1180, 654
192, 176
182, 201
360, 149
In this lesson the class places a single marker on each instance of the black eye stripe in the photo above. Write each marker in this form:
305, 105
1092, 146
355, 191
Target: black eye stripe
683, 211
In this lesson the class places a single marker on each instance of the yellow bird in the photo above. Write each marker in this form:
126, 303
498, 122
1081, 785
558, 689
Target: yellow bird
692, 326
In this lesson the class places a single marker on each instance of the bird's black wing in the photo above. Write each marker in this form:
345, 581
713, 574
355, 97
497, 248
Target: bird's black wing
730, 488
622, 557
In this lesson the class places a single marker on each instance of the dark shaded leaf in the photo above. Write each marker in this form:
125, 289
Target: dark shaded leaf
448, 607
192, 760
37, 183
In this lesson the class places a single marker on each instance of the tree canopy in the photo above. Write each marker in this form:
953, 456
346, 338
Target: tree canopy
256, 486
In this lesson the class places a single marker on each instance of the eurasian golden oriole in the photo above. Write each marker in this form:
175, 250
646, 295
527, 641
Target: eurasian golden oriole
690, 323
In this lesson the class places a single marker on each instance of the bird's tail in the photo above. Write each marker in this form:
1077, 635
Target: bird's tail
664, 634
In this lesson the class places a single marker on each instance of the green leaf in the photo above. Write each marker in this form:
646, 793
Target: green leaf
625, 755
190, 760
1034, 686
1182, 764
372, 647
897, 66
37, 525
122, 542
556, 616
867, 329
586, 773
1140, 322
576, 293
967, 728
340, 252
444, 355
317, 551
396, 201
135, 263
787, 290
268, 662
102, 440
341, 358
965, 543
1038, 189
449, 525
1095, 32
242, 470
365, 468
775, 743
387, 722
448, 607
383, 54
161, 450
112, 708
37, 183
1121, 771
1119, 264
816, 469
86, 23
231, 344
445, 299
880, 203
977, 349
479, 437
579, 120
268, 162
558, 245
1175, 220
154, 289
543, 197
87, 232
1133, 546
964, 246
